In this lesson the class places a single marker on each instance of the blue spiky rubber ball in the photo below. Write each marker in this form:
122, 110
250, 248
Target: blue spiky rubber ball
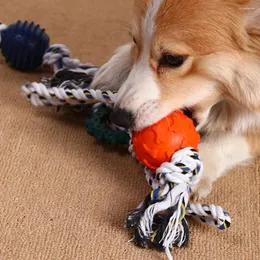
23, 45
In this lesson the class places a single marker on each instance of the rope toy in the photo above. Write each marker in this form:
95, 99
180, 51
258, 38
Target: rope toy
97, 126
70, 83
172, 167
160, 220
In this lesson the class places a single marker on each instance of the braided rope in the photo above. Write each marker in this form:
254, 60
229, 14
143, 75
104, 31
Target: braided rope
59, 57
69, 92
212, 215
39, 95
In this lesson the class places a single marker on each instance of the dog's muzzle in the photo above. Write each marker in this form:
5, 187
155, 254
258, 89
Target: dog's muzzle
122, 117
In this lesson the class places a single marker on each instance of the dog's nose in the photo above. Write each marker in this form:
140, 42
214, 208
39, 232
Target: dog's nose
122, 117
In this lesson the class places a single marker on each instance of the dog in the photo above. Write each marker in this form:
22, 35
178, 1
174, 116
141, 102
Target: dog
200, 56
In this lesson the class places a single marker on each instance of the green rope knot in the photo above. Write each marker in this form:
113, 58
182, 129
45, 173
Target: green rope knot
98, 125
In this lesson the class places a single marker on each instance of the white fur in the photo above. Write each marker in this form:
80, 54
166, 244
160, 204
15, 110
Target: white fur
148, 26
244, 69
228, 115
140, 92
112, 74
244, 119
220, 153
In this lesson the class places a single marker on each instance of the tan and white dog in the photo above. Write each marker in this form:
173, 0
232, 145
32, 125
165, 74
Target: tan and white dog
198, 55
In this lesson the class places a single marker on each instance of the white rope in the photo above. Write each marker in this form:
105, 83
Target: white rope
51, 57
179, 195
131, 149
39, 95
212, 215
176, 196
59, 56
2, 28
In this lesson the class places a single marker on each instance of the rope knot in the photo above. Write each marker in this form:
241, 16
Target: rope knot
59, 56
185, 167
159, 221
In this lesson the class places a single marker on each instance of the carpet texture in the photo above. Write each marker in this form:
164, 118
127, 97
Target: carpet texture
62, 196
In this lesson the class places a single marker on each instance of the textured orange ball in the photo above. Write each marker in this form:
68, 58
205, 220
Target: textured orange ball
156, 144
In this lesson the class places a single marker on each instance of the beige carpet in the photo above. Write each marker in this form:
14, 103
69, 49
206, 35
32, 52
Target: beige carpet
62, 197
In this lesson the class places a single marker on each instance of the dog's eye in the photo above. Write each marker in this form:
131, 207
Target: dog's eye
131, 35
170, 60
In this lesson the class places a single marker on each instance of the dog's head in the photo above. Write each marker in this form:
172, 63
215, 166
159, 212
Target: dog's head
190, 54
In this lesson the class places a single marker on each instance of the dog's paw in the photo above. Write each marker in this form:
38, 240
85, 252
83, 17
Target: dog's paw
201, 190
114, 73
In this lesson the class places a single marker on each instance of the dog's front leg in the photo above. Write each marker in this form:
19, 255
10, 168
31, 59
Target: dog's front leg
219, 153
114, 73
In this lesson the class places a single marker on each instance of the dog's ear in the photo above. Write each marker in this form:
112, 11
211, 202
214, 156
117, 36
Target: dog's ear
250, 67
238, 72
252, 21
245, 85
238, 76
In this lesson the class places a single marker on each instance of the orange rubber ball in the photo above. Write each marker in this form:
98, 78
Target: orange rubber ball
156, 144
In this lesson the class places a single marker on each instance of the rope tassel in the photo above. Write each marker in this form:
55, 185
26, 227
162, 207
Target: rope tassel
160, 219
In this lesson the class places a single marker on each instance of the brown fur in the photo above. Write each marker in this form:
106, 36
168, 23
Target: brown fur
254, 143
206, 26
222, 40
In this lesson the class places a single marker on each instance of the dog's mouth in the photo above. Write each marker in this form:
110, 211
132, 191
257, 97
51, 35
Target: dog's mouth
189, 112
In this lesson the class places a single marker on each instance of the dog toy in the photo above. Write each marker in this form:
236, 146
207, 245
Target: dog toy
168, 149
172, 167
98, 126
23, 44
156, 144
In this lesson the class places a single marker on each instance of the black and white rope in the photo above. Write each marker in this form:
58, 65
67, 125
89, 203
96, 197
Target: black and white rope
184, 170
59, 57
39, 95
